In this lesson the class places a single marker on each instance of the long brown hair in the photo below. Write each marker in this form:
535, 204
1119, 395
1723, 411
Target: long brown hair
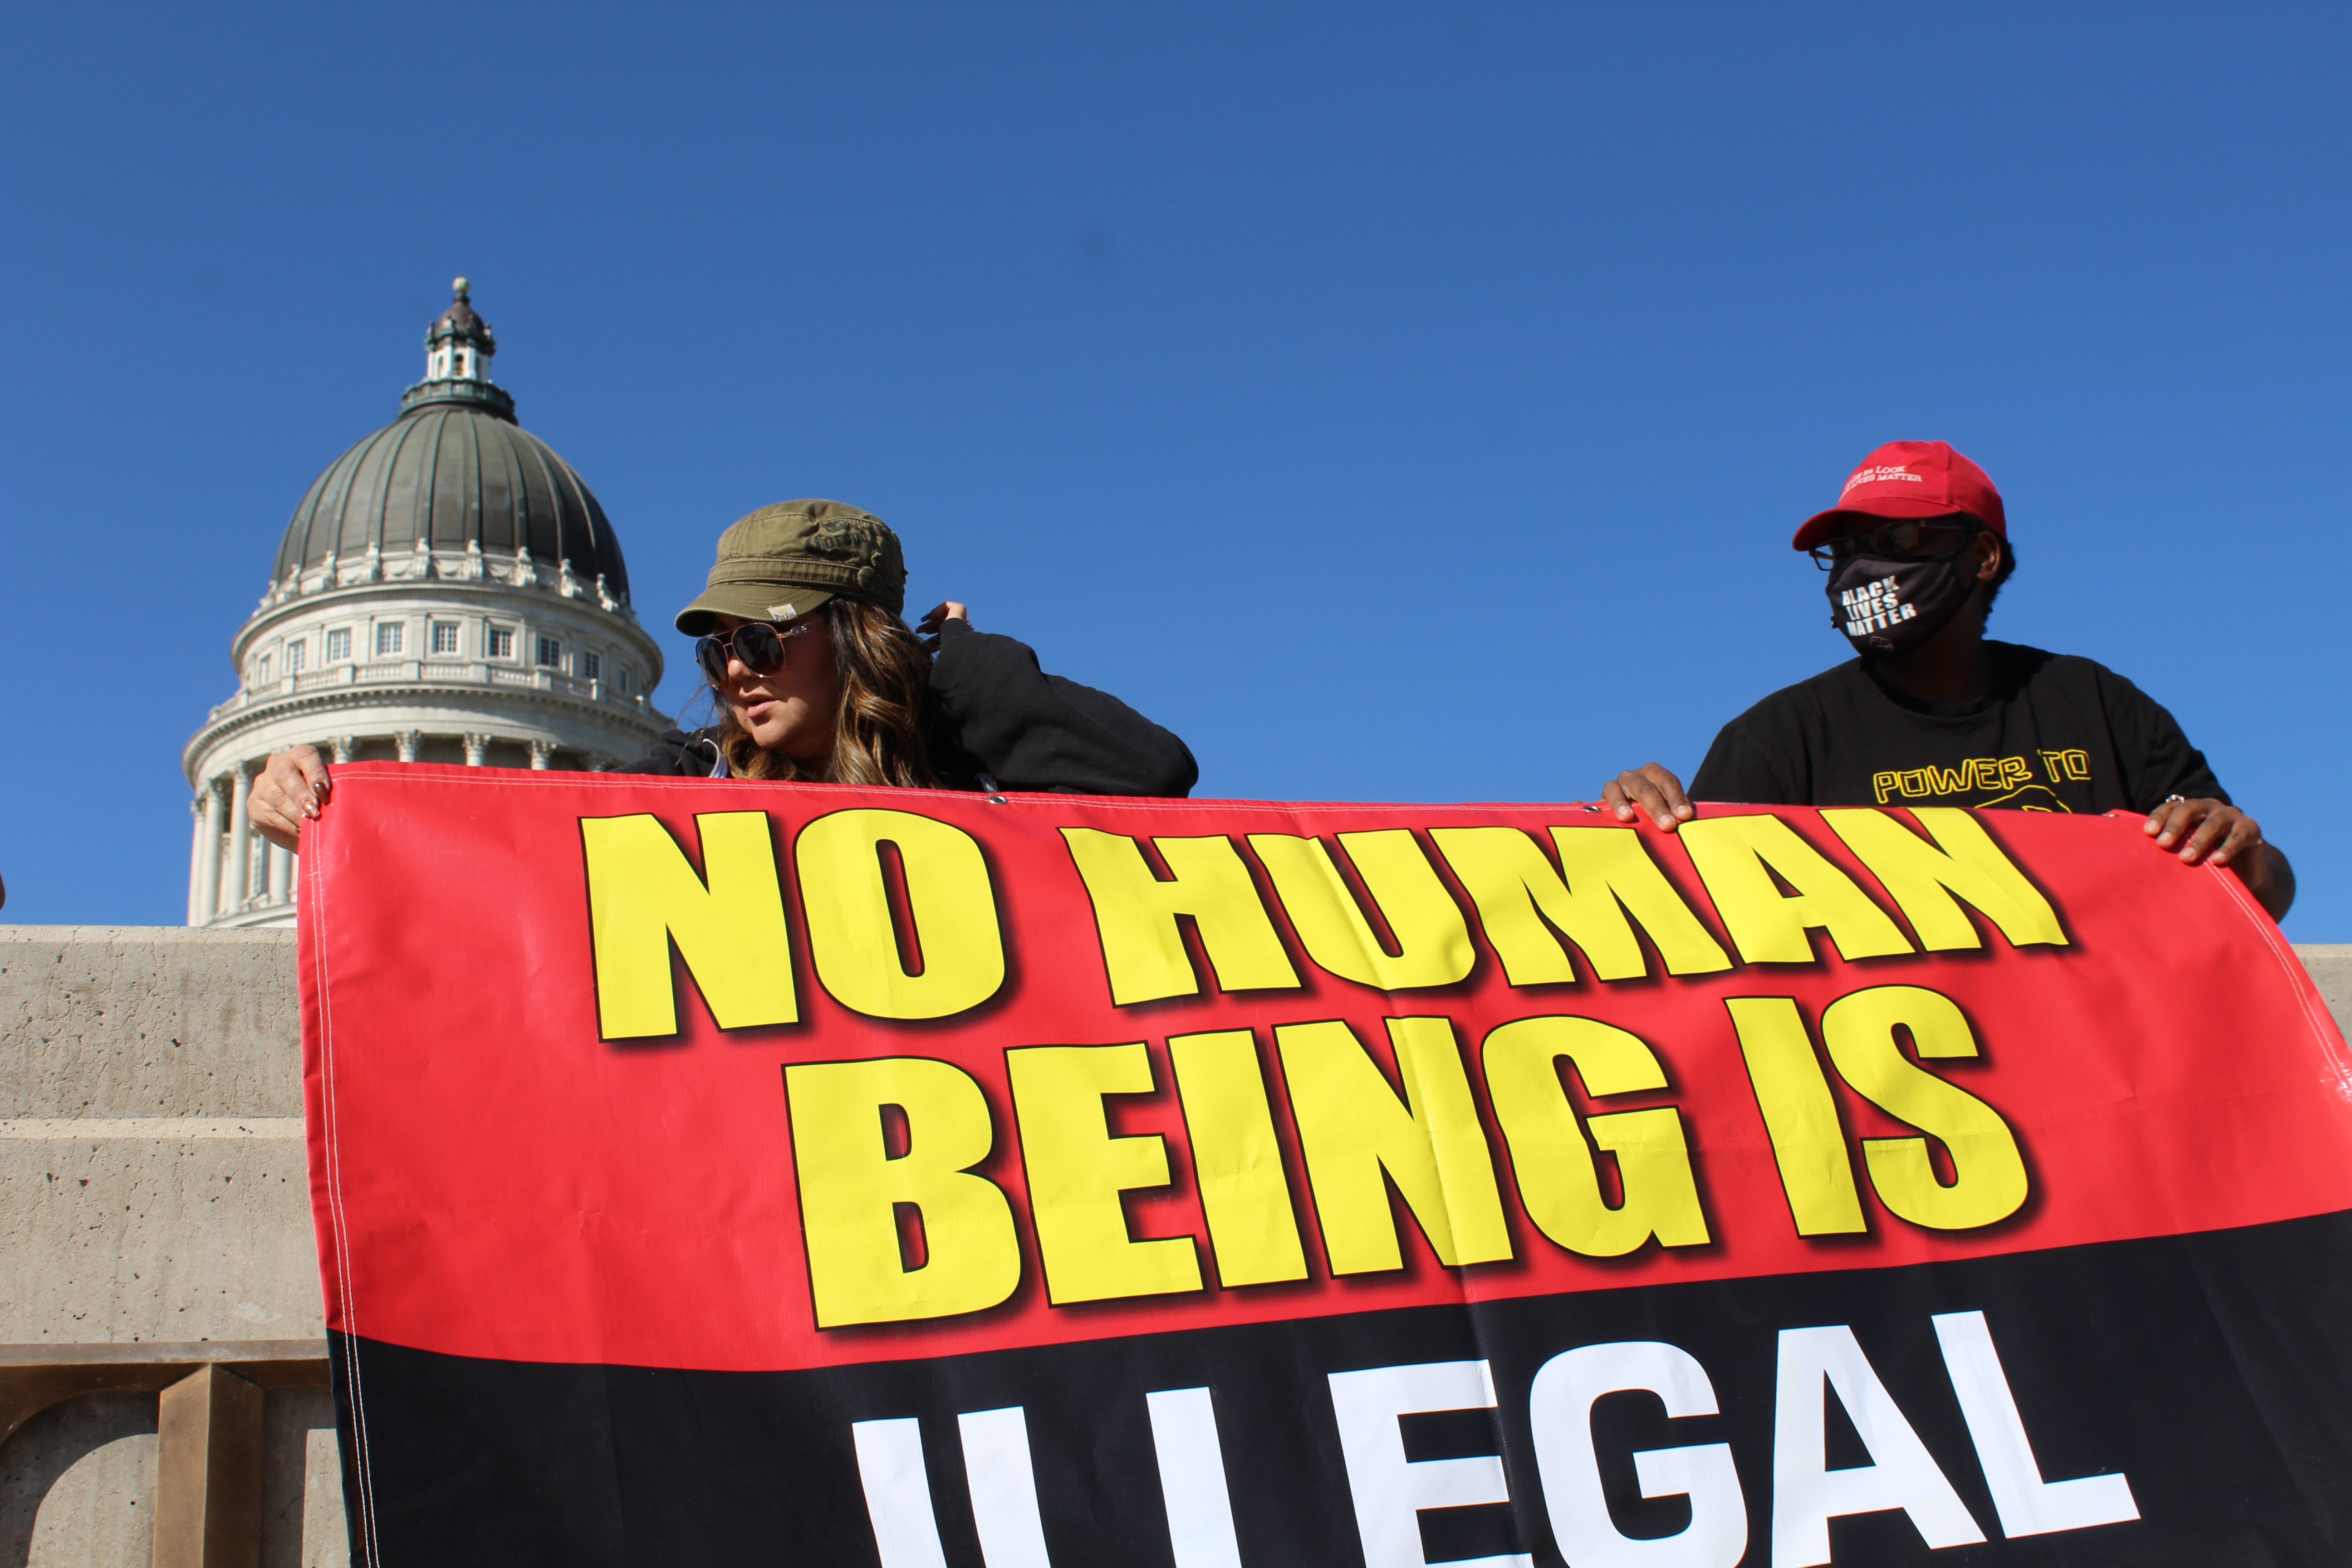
884, 679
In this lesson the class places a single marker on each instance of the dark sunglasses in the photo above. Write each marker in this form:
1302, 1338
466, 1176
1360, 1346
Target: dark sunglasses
1897, 537
759, 645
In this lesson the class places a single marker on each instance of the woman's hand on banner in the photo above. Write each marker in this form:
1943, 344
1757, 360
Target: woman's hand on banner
1648, 788
290, 786
2215, 831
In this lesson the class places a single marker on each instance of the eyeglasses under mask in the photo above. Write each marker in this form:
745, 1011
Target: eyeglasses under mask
1898, 539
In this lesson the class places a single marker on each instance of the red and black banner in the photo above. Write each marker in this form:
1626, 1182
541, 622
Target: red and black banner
718, 1172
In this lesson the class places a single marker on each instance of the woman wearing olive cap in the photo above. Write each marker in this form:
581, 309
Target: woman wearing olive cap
816, 678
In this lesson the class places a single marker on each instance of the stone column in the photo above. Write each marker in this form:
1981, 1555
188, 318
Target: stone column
209, 873
281, 874
408, 740
477, 746
240, 844
344, 745
543, 753
195, 855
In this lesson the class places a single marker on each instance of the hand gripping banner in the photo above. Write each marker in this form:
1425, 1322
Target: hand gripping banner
721, 1172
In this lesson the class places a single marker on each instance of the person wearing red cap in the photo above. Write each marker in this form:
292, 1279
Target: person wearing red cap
1934, 712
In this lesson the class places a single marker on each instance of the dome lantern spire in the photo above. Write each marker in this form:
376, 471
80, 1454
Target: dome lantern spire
448, 590
458, 351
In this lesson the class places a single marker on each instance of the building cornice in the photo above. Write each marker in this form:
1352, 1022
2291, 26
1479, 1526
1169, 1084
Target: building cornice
560, 694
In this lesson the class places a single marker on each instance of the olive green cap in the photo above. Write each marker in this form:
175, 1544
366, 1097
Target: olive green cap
785, 559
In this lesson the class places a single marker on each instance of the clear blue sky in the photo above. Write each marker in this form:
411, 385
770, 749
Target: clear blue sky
1406, 403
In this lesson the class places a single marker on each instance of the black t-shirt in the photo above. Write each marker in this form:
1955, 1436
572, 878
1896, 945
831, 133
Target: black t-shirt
2058, 733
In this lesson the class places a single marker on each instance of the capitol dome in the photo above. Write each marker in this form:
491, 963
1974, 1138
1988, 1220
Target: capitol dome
454, 473
447, 590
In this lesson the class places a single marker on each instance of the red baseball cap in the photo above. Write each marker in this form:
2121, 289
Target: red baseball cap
1910, 478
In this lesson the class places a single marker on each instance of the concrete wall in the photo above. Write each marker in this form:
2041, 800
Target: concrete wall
151, 1138
2331, 968
152, 1187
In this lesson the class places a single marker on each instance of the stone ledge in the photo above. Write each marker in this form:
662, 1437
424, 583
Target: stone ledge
34, 1377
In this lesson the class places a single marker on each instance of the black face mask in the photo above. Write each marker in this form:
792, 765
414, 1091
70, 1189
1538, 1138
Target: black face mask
1888, 607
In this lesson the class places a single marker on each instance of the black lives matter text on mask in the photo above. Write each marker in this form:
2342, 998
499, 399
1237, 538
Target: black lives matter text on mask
1872, 607
1888, 607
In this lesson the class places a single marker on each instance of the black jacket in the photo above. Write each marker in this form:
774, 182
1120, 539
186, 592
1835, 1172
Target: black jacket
992, 711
